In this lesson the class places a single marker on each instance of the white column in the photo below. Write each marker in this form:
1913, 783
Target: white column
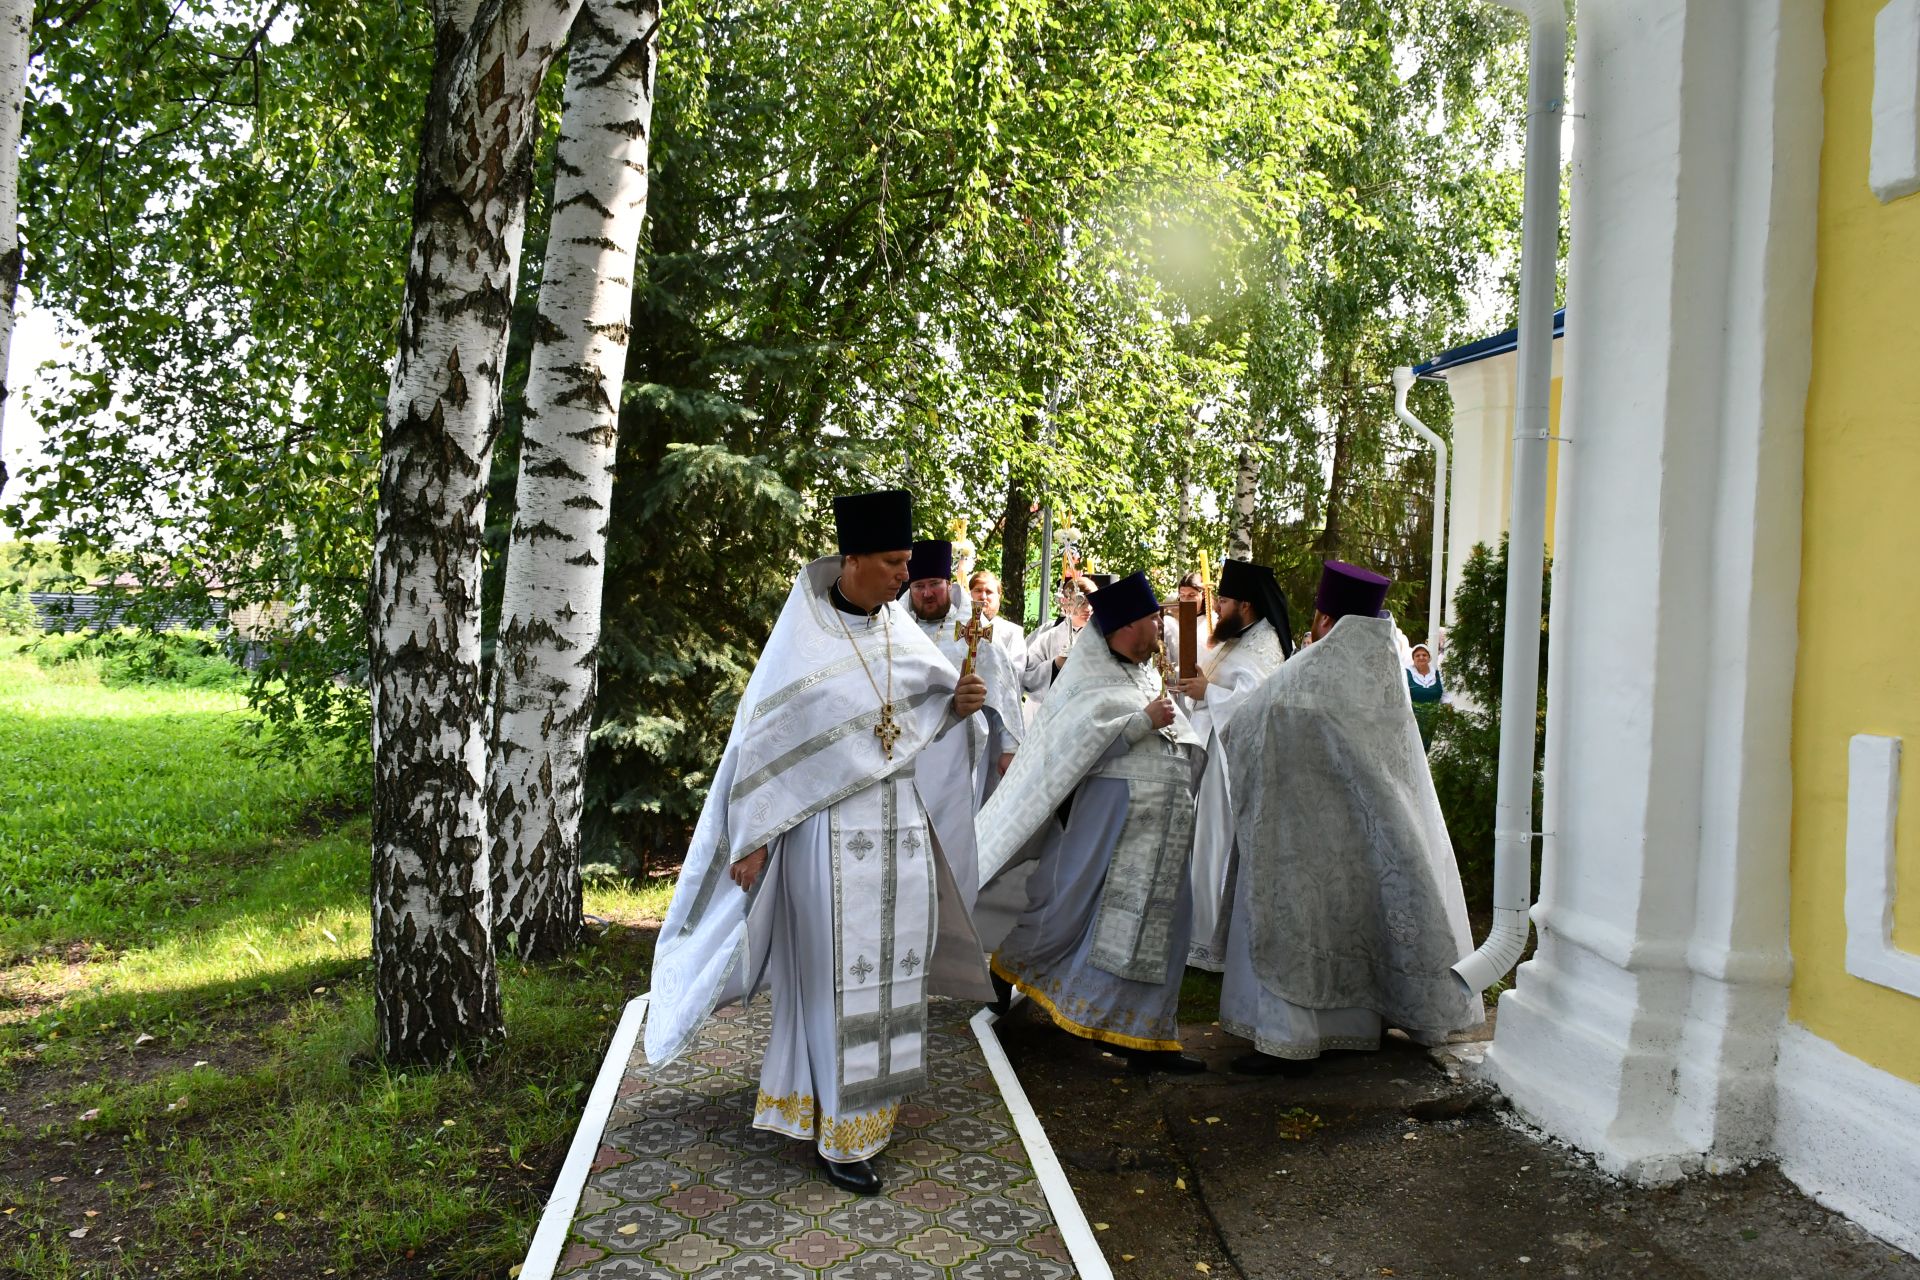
1644, 1029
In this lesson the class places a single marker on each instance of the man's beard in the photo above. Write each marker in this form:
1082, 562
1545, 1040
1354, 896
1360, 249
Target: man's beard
1231, 629
935, 616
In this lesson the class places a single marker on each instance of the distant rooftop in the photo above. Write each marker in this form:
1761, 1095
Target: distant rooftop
1485, 349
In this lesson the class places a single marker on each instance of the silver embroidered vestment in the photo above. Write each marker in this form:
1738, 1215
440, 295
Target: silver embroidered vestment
858, 916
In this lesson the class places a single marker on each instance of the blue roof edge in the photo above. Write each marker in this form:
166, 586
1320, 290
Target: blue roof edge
1485, 349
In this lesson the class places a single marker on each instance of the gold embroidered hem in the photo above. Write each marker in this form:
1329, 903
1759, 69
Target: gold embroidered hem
843, 1138
1087, 1014
858, 1137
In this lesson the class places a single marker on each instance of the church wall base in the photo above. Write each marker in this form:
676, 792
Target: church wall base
1845, 1134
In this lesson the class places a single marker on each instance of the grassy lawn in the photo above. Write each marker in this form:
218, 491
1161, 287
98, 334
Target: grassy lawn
187, 1085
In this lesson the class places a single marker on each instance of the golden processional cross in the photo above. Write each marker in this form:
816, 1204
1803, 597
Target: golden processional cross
973, 631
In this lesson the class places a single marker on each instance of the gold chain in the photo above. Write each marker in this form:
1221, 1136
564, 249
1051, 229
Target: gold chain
885, 730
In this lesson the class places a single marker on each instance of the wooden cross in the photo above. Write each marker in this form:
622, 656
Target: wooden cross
886, 730
973, 631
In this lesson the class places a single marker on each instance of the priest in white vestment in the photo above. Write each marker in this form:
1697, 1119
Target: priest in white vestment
1251, 636
984, 585
1348, 915
1101, 798
821, 865
997, 727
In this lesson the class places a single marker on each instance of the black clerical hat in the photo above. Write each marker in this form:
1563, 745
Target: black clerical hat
932, 558
870, 522
1126, 601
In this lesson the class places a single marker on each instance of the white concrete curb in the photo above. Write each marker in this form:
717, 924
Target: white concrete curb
550, 1238
1082, 1247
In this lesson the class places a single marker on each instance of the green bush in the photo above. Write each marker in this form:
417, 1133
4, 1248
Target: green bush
128, 657
1466, 742
17, 614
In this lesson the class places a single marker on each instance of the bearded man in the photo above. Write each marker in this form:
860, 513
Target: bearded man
1097, 813
1251, 636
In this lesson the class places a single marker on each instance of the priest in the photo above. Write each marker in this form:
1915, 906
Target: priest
820, 866
998, 727
1348, 915
1251, 636
1101, 796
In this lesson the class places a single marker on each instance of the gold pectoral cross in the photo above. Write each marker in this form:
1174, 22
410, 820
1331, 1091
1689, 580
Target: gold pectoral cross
887, 731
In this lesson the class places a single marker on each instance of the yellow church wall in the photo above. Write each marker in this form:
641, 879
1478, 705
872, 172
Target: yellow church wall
1859, 607
1553, 462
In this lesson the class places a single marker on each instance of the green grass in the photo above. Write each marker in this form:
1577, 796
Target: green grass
157, 886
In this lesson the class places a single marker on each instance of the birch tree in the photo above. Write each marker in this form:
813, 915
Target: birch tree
545, 661
16, 21
436, 990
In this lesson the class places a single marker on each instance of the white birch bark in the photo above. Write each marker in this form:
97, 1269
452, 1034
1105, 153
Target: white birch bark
1246, 471
436, 990
545, 661
16, 24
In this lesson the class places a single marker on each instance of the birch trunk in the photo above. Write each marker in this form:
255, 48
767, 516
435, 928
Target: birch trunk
1245, 472
436, 991
545, 662
16, 23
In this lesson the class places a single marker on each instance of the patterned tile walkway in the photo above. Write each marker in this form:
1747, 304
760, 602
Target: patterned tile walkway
683, 1187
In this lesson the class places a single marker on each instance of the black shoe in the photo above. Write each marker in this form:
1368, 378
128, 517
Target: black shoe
1265, 1064
856, 1176
1142, 1061
1002, 995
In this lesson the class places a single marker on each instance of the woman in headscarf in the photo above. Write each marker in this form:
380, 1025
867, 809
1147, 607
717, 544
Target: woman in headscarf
1423, 686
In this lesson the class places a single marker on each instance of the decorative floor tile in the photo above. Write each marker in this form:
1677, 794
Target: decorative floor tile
656, 1133
642, 1179
921, 1152
816, 1249
686, 1189
980, 1174
952, 1098
968, 1133
884, 1266
1048, 1244
929, 1196
620, 1269
631, 1227
874, 1221
994, 1219
757, 1224
691, 1252
704, 1157
1029, 1193
756, 1268
699, 1201
1012, 1264
814, 1197
755, 1177
941, 1246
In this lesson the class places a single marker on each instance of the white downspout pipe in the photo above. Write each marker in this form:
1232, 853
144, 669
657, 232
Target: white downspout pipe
1402, 382
1520, 688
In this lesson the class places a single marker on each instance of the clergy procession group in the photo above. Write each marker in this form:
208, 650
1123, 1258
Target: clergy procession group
916, 799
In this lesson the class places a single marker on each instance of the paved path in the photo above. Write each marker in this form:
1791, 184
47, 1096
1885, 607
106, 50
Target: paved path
682, 1186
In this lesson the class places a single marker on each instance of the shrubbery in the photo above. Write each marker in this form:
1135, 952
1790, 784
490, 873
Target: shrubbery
1466, 743
127, 657
18, 617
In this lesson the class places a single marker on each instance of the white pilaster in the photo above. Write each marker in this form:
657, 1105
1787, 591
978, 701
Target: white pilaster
1644, 1029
